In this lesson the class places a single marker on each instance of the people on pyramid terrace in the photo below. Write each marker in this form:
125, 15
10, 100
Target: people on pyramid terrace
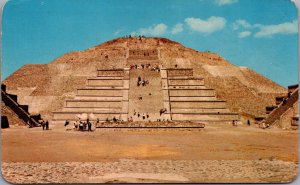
145, 66
130, 119
162, 111
142, 82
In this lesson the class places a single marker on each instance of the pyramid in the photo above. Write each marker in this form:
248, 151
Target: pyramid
186, 84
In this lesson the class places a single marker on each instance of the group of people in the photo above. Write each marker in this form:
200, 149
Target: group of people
142, 82
81, 125
45, 125
139, 115
145, 66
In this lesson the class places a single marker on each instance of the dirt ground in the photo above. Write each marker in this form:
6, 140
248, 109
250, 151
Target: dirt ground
217, 153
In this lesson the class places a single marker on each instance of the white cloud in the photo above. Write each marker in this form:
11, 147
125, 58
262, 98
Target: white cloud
244, 34
225, 2
241, 23
154, 30
177, 28
117, 32
210, 25
283, 28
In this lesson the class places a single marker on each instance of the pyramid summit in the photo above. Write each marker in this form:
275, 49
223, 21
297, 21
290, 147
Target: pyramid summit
157, 78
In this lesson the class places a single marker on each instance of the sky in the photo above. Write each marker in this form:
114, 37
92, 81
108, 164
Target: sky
259, 34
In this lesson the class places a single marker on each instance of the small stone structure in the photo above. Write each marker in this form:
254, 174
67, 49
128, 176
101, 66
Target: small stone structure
285, 113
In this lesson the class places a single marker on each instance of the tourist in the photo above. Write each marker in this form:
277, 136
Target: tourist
47, 125
134, 113
138, 114
66, 123
144, 116
76, 125
139, 78
89, 126
98, 122
84, 126
43, 125
114, 119
147, 115
248, 122
81, 126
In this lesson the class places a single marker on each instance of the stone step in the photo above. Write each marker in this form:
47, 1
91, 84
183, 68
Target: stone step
93, 103
99, 98
73, 116
105, 82
192, 92
111, 72
193, 98
187, 81
201, 110
197, 104
100, 92
187, 87
206, 116
179, 72
185, 78
106, 78
105, 87
92, 109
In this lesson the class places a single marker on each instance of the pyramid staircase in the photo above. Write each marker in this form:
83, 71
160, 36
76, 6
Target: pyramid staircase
187, 98
283, 104
106, 96
11, 101
183, 95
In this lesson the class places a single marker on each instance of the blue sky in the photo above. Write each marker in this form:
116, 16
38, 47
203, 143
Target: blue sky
260, 34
